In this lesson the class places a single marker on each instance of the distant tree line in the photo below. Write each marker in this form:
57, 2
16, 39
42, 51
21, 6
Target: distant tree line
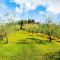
22, 22
48, 27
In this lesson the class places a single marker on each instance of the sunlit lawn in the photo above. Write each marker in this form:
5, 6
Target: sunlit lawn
26, 46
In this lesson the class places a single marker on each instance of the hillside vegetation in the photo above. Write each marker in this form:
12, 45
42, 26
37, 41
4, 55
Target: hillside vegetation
27, 46
29, 40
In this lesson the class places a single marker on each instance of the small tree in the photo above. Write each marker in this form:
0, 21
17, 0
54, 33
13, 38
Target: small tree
4, 31
49, 28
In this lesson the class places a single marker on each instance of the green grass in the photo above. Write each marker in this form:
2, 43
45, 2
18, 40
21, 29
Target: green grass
27, 46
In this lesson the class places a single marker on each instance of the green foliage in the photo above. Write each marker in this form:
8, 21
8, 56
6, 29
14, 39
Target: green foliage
33, 21
29, 21
22, 22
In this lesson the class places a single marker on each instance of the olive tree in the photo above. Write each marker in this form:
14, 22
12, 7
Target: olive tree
49, 28
4, 32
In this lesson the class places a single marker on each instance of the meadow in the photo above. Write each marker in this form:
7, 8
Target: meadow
28, 44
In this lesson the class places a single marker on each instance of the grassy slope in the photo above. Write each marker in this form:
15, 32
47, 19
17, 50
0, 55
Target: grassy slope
30, 50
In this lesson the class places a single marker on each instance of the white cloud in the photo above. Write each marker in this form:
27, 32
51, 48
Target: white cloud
38, 2
6, 13
20, 1
34, 2
54, 5
54, 9
18, 10
28, 4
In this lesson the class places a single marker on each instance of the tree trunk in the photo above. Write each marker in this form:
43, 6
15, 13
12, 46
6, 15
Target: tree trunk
6, 37
21, 28
49, 37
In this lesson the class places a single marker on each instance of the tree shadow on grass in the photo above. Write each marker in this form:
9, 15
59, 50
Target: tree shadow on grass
41, 35
31, 40
23, 41
39, 41
30, 35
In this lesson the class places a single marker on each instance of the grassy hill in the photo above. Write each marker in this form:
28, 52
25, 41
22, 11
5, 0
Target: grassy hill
27, 46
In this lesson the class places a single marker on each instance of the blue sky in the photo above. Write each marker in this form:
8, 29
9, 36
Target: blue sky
30, 9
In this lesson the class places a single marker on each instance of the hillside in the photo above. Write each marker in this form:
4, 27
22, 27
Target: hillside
27, 46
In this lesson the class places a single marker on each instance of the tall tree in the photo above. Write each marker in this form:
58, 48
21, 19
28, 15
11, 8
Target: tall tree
20, 23
29, 21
